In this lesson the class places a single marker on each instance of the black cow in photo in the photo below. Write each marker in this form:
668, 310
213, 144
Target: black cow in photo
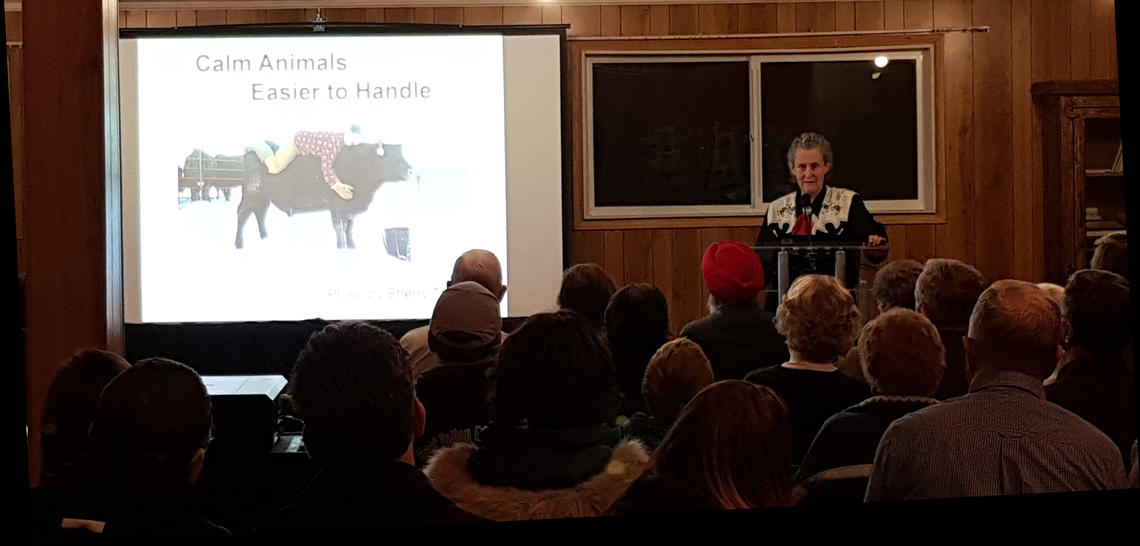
302, 188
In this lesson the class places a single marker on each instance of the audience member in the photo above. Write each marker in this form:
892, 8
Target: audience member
636, 324
738, 335
676, 373
549, 451
71, 402
1003, 438
902, 358
730, 448
819, 319
1054, 291
892, 288
1110, 253
465, 333
352, 386
136, 477
945, 293
480, 266
1095, 377
586, 289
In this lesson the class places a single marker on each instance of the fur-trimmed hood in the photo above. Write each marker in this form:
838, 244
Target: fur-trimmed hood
447, 471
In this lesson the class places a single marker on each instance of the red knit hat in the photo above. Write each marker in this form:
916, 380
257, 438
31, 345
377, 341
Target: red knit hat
732, 271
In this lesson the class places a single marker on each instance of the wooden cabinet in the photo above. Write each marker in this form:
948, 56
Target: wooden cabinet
1083, 170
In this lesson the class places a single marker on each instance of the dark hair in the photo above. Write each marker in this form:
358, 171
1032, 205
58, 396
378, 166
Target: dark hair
555, 371
731, 444
1097, 308
586, 289
948, 289
636, 325
152, 418
72, 400
352, 386
894, 284
1110, 253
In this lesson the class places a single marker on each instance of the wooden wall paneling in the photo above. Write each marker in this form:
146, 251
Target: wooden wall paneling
207, 17
896, 236
1028, 197
1081, 39
638, 255
13, 26
588, 247
717, 19
918, 13
522, 15
422, 15
869, 16
122, 19
1050, 60
815, 17
245, 16
483, 15
15, 81
73, 284
683, 20
955, 238
920, 242
584, 20
658, 20
844, 16
635, 20
286, 16
993, 140
345, 15
161, 18
1102, 30
688, 287
609, 21
452, 16
375, 15
135, 18
551, 15
186, 18
758, 18
399, 15
894, 14
785, 17
1049, 41
663, 271
614, 259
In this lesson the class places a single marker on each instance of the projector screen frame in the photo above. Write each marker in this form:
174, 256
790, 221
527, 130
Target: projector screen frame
115, 207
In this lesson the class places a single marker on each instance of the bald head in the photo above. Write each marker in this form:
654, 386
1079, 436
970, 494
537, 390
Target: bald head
1015, 326
480, 266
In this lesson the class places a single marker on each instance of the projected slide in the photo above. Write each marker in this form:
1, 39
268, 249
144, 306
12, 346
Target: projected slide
311, 177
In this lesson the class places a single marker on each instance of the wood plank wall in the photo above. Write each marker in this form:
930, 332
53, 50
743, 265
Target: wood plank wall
991, 155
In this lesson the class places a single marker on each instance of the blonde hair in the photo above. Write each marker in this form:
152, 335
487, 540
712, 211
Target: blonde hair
819, 318
676, 373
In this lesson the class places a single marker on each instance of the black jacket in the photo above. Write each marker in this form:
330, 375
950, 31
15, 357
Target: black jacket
737, 339
130, 506
652, 494
365, 495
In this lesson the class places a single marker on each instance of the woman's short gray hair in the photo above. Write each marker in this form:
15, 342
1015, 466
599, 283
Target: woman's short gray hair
809, 141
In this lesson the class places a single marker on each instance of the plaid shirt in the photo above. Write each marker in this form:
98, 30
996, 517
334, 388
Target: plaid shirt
1002, 438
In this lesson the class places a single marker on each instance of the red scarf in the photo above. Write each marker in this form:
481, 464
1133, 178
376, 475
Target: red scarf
803, 225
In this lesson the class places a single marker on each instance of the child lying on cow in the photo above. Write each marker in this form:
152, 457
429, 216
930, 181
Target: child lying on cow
325, 145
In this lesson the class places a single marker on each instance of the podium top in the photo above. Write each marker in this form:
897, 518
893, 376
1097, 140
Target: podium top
795, 245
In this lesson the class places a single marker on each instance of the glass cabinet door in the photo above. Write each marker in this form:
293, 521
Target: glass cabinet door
1103, 181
